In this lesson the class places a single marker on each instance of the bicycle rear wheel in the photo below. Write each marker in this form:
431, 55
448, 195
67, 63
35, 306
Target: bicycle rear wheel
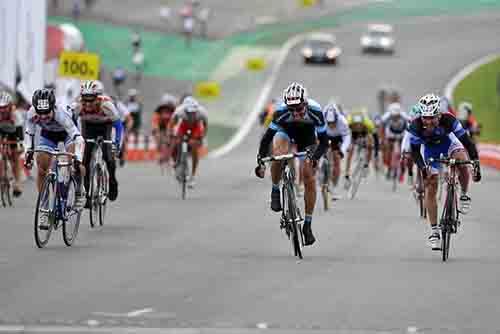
45, 212
184, 174
292, 216
72, 215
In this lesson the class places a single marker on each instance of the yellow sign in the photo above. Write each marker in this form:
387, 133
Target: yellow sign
256, 64
307, 3
208, 89
83, 66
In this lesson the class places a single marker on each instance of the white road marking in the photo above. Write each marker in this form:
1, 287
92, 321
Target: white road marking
453, 83
261, 101
412, 329
92, 322
137, 313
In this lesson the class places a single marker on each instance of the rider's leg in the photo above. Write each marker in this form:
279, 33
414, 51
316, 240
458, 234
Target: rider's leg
310, 187
16, 171
335, 168
195, 145
350, 153
310, 201
431, 184
463, 171
369, 149
43, 161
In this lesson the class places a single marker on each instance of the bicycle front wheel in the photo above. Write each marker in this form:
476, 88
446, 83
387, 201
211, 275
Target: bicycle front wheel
72, 215
296, 238
45, 212
95, 186
447, 221
103, 194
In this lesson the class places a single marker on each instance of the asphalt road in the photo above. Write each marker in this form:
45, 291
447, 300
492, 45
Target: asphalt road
218, 260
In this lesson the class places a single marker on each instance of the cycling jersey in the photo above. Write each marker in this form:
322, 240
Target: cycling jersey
161, 117
181, 114
10, 121
59, 128
341, 135
394, 128
360, 129
448, 136
93, 122
303, 132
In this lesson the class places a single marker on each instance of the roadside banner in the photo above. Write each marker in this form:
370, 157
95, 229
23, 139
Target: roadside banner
8, 14
79, 65
31, 31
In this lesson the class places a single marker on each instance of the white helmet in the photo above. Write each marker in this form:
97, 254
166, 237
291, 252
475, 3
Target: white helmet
92, 87
5, 99
294, 94
191, 105
394, 109
464, 111
168, 99
429, 104
331, 113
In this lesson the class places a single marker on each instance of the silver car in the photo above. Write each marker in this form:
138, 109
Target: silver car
321, 48
378, 38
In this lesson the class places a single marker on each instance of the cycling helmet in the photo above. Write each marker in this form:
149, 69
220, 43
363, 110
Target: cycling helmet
464, 111
43, 101
430, 105
91, 88
294, 94
168, 100
5, 99
394, 109
331, 113
132, 92
357, 118
191, 105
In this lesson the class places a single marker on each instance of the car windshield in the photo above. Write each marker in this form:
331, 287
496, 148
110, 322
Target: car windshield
378, 34
320, 44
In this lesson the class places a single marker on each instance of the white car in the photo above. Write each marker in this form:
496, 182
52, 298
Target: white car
378, 38
321, 48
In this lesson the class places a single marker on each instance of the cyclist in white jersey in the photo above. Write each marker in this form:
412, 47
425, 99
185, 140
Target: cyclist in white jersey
339, 139
56, 125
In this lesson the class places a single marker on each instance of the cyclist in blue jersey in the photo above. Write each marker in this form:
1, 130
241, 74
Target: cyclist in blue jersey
441, 133
297, 120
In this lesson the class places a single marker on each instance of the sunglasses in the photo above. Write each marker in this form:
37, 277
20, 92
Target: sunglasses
429, 118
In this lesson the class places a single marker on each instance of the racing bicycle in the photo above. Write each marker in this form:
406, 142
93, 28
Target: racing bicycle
449, 221
291, 217
57, 203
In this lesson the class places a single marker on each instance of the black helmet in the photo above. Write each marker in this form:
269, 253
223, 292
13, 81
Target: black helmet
43, 101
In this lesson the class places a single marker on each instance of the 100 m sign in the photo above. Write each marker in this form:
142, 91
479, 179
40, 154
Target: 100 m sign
83, 66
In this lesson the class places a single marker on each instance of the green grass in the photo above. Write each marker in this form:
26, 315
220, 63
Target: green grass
480, 89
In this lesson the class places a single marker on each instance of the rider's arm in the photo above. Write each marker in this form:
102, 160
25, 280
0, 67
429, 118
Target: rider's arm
266, 140
464, 138
322, 147
29, 139
118, 125
417, 157
66, 121
469, 146
346, 135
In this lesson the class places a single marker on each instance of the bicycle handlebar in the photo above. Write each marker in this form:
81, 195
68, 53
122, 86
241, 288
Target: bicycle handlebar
284, 157
451, 161
94, 141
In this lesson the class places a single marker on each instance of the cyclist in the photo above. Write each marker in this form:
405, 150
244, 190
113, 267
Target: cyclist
126, 120
98, 115
189, 116
339, 139
134, 105
469, 122
300, 120
56, 125
362, 128
159, 123
11, 128
393, 125
446, 107
440, 133
414, 113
